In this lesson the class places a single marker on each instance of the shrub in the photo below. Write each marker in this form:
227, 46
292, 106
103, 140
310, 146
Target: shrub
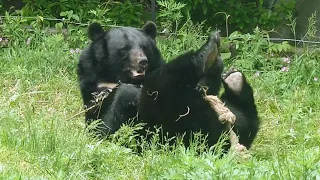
240, 15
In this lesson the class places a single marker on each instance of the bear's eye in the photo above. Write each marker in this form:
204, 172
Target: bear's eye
144, 47
124, 49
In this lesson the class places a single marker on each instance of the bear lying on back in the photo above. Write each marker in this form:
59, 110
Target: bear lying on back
170, 97
123, 55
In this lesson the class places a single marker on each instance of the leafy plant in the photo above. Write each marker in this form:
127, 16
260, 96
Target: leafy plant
312, 29
127, 13
11, 32
170, 14
256, 51
279, 48
69, 15
179, 36
242, 15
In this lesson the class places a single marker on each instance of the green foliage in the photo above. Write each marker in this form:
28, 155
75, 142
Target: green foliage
85, 12
15, 31
232, 14
170, 14
17, 35
127, 13
69, 15
242, 15
312, 28
255, 51
280, 48
188, 36
74, 15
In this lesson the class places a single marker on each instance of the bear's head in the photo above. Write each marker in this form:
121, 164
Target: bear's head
125, 54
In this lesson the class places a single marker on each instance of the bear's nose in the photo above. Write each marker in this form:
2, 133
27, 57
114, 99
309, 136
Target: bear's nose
143, 62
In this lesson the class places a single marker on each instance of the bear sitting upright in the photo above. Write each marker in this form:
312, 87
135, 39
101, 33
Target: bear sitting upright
170, 97
122, 55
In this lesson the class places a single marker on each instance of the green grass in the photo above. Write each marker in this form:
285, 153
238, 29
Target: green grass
40, 138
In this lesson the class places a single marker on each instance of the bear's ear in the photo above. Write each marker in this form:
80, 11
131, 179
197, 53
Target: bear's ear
95, 31
151, 29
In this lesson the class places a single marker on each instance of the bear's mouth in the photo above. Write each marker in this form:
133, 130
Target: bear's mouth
137, 77
133, 76
137, 74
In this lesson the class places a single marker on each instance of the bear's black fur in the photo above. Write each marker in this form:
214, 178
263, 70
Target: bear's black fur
170, 97
123, 55
238, 97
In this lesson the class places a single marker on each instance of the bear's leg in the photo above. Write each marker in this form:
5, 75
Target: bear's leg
238, 97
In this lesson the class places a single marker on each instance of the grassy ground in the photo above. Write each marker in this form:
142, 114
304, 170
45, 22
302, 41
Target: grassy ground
40, 138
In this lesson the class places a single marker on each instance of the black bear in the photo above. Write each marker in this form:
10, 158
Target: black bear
170, 96
122, 55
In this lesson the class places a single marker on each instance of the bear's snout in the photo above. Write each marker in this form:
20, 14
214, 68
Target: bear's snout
143, 62
138, 61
